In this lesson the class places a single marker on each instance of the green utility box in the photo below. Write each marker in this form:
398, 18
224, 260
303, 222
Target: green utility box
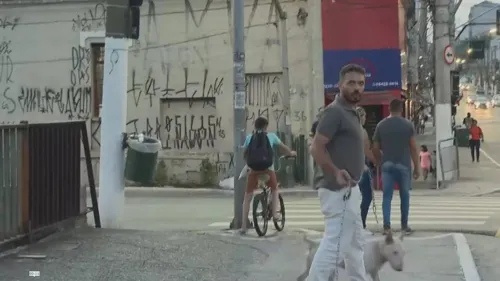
140, 164
462, 137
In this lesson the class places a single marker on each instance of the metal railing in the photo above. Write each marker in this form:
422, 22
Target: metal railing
11, 177
452, 165
40, 178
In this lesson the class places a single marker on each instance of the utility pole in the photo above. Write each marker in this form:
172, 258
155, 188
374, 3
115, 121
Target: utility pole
442, 85
286, 81
422, 29
453, 10
413, 63
239, 119
122, 22
316, 93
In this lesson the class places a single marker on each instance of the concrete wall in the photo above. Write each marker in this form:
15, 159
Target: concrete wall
180, 74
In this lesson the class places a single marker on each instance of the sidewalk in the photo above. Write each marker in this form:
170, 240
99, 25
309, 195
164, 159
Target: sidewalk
110, 255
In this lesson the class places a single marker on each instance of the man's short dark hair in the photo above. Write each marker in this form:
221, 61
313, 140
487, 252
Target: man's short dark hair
396, 105
261, 123
352, 67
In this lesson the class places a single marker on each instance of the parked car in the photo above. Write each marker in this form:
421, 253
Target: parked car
482, 102
471, 99
495, 101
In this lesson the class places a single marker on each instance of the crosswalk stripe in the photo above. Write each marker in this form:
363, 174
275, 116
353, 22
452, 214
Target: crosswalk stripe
424, 210
395, 216
412, 211
321, 223
436, 208
493, 202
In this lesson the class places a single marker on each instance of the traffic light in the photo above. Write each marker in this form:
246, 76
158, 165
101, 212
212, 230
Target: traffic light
476, 49
124, 18
455, 83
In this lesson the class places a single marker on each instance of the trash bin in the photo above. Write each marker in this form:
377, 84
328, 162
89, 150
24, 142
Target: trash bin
140, 164
462, 137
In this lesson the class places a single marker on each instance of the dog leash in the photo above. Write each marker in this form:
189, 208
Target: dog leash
374, 205
347, 196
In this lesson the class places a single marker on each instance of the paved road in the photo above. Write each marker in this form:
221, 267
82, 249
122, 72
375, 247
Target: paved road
427, 212
489, 120
430, 213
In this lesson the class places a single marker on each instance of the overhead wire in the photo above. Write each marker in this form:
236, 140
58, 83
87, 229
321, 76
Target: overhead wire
357, 4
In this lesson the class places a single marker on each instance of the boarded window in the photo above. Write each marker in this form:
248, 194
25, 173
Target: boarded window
98, 76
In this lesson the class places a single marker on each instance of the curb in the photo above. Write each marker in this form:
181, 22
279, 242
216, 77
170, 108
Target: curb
491, 233
494, 191
174, 192
197, 192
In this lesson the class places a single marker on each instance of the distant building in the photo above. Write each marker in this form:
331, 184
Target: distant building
482, 18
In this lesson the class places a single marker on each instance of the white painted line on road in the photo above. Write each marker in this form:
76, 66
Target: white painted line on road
395, 211
413, 216
430, 205
467, 263
412, 222
440, 236
436, 209
490, 158
470, 201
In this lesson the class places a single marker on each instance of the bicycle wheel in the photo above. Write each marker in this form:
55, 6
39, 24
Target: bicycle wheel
260, 199
280, 224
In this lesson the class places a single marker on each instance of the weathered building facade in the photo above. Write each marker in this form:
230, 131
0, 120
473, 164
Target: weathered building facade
180, 81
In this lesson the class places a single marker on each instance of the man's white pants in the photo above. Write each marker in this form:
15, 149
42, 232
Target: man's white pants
343, 237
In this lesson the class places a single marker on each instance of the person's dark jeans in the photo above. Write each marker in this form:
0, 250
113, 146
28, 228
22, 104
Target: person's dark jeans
400, 174
365, 186
474, 145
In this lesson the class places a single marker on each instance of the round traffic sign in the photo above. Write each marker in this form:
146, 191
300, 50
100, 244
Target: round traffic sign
449, 55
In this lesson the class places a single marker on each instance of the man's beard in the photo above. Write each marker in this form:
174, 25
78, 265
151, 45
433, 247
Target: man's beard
353, 97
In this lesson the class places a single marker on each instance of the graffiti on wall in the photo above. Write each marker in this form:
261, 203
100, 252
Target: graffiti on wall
192, 131
224, 163
149, 91
6, 80
74, 102
80, 66
91, 19
264, 99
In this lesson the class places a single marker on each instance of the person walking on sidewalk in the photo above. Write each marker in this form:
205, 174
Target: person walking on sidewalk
475, 138
467, 122
425, 160
365, 183
337, 149
395, 137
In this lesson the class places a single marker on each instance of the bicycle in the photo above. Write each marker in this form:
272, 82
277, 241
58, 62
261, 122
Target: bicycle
264, 198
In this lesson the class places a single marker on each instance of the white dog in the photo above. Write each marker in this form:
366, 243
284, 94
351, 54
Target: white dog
376, 253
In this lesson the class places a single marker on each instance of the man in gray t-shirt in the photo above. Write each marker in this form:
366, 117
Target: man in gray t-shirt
395, 148
337, 149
